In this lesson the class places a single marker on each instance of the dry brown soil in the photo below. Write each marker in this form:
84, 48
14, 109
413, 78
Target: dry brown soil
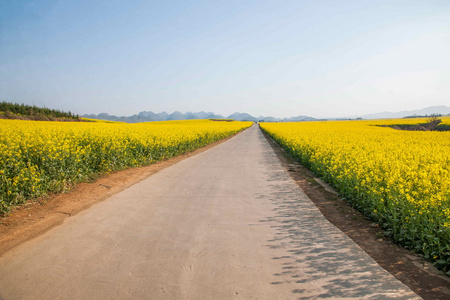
40, 215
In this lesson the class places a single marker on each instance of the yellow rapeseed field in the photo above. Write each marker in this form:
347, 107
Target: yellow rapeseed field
399, 178
41, 157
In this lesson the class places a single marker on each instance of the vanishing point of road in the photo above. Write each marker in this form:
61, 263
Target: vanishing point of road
228, 223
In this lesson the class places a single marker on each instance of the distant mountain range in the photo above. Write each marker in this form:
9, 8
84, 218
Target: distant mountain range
442, 109
148, 116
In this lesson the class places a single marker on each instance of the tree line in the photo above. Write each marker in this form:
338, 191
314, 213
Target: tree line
22, 111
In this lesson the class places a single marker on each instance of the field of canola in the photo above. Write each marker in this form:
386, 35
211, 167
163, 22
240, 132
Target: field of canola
41, 157
401, 179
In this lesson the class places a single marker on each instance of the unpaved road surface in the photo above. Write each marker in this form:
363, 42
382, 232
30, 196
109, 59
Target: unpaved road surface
226, 223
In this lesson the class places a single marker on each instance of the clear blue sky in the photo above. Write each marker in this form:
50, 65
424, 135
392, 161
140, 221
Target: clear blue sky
278, 58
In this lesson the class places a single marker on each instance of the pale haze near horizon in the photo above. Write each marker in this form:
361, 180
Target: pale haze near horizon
271, 58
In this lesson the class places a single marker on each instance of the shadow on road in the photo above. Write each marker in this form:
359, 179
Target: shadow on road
319, 257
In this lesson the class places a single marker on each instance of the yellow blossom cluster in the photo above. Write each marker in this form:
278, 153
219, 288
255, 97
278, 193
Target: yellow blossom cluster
40, 157
399, 178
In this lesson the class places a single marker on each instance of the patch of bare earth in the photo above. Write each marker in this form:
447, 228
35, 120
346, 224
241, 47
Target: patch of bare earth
40, 215
412, 270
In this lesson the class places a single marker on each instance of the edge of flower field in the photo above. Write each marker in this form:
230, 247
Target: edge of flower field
55, 163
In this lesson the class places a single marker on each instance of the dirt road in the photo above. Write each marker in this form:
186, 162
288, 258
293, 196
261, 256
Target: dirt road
226, 223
